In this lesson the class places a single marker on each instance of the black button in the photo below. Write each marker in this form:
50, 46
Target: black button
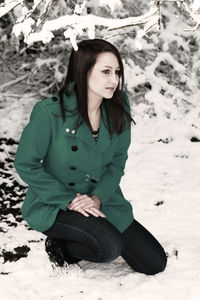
73, 168
74, 148
93, 180
54, 98
71, 183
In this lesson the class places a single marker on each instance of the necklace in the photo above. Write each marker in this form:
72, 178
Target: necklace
95, 132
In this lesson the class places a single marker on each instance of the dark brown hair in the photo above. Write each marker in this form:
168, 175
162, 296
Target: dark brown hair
80, 63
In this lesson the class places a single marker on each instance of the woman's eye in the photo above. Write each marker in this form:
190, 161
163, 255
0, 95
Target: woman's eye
106, 71
118, 72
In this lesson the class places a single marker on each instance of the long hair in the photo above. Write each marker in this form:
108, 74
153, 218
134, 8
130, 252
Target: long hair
80, 63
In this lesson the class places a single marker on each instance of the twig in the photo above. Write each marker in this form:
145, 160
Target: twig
159, 13
12, 82
42, 90
33, 9
9, 68
8, 7
10, 95
192, 29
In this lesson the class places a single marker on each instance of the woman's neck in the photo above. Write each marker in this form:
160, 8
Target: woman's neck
94, 103
94, 114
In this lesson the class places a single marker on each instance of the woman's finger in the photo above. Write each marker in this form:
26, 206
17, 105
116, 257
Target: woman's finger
95, 212
83, 212
77, 199
99, 212
75, 203
80, 206
89, 210
88, 203
82, 203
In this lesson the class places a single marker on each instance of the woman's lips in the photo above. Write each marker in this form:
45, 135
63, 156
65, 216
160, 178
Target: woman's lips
111, 89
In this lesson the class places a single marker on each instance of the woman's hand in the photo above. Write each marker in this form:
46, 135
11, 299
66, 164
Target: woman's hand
97, 201
85, 204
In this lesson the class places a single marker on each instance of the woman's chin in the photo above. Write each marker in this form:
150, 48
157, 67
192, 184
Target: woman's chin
108, 95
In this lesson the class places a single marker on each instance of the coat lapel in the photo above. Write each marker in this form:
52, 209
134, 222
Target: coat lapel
83, 132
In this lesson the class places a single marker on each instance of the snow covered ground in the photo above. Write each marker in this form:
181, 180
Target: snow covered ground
162, 182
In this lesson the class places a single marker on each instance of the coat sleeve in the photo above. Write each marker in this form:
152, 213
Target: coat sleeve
32, 148
111, 178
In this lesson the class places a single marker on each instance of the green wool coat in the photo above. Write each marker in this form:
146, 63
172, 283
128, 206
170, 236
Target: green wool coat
57, 161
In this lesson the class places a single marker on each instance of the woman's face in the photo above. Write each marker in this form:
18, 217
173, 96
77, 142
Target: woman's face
103, 78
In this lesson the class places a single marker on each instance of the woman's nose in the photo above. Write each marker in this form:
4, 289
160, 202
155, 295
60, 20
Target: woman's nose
114, 78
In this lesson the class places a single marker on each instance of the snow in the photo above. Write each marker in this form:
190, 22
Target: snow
9, 5
78, 22
155, 172
25, 28
195, 5
112, 4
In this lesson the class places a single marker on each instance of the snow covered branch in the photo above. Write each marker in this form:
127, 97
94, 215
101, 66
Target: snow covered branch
9, 5
77, 23
28, 26
194, 11
31, 25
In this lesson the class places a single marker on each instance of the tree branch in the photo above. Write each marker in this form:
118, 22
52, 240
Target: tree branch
6, 85
9, 68
82, 22
8, 7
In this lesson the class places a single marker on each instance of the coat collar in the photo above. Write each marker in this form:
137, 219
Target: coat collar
83, 132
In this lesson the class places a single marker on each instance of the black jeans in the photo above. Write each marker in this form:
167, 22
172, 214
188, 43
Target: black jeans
95, 239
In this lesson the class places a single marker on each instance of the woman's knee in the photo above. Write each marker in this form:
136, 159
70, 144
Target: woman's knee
160, 264
111, 247
110, 252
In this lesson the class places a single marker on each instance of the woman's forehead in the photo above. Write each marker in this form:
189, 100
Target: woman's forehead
107, 59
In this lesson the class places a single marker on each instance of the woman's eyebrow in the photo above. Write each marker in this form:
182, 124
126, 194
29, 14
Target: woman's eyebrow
111, 67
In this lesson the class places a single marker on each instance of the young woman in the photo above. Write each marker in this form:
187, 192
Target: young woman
72, 155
